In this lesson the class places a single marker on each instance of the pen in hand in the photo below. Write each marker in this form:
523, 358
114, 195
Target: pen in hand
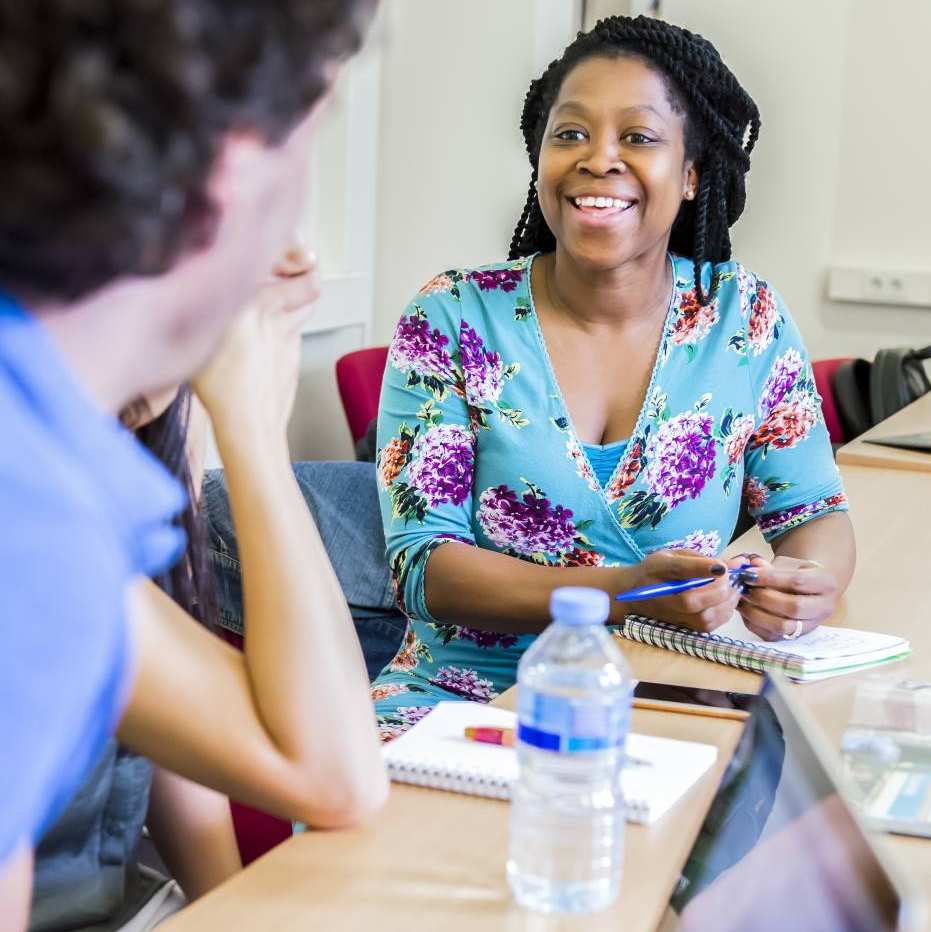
739, 575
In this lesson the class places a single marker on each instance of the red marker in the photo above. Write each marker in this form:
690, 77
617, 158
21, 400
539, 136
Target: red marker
488, 735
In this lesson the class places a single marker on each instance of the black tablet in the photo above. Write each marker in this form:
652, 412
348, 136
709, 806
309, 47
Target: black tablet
780, 848
919, 442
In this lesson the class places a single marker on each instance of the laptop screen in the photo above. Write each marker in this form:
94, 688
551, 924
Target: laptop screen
779, 848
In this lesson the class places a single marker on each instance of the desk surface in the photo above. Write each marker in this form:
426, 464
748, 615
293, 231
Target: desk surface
435, 860
913, 419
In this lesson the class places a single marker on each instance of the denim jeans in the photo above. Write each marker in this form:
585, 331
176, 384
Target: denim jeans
343, 499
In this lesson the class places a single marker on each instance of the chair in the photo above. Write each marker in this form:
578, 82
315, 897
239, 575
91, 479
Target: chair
256, 831
358, 377
825, 371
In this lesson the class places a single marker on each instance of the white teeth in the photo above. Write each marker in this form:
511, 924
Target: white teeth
601, 202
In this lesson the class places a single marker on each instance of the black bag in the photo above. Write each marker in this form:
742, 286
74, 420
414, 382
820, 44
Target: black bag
869, 392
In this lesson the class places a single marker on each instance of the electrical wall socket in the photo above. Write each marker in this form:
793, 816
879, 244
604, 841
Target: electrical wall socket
880, 286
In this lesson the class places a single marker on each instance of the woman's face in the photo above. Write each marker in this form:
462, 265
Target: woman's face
612, 133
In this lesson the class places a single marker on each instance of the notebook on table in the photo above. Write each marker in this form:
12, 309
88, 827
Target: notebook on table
435, 753
826, 651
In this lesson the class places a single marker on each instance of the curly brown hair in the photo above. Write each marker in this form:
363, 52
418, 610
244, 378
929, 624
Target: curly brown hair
112, 113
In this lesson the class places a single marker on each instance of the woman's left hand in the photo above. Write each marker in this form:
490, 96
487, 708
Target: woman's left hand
788, 591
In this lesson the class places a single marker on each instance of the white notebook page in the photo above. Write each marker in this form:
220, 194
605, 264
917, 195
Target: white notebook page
436, 742
824, 642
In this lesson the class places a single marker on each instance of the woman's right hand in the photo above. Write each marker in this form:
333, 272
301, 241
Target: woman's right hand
702, 609
250, 383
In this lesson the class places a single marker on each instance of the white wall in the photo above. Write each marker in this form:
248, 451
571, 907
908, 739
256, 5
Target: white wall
882, 188
453, 175
839, 174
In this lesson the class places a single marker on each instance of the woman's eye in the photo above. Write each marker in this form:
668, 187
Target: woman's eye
638, 139
570, 135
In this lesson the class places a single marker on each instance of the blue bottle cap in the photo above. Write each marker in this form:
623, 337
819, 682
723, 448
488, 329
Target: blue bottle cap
579, 605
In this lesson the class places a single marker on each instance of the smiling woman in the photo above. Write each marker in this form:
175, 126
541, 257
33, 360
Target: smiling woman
588, 412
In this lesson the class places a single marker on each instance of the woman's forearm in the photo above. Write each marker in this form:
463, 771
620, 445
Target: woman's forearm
828, 540
303, 657
493, 591
287, 726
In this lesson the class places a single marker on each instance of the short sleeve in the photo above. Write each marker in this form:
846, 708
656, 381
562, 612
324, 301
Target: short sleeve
64, 667
426, 442
790, 476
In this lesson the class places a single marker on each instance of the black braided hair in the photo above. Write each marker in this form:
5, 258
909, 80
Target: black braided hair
722, 124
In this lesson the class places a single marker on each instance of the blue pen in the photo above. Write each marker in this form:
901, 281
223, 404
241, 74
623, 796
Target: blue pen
681, 585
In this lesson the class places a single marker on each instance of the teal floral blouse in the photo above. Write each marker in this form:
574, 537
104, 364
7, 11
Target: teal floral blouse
476, 445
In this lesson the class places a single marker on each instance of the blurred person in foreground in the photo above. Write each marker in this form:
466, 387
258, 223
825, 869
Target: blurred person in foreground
151, 168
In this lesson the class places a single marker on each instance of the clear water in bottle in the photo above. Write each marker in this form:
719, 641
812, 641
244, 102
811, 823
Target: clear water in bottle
567, 813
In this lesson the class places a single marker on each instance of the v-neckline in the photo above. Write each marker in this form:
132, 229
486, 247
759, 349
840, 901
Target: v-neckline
556, 390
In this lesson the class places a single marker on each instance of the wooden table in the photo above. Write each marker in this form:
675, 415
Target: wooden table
435, 861
913, 419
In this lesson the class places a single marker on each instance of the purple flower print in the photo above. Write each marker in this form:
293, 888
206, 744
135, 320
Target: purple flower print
487, 638
490, 279
525, 525
412, 714
483, 371
680, 458
441, 464
464, 682
707, 545
781, 521
780, 380
415, 346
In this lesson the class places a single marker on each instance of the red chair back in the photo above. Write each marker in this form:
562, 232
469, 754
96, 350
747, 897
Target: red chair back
256, 831
824, 371
358, 377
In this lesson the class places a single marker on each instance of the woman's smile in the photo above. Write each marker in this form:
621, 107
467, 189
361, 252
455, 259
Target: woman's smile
601, 210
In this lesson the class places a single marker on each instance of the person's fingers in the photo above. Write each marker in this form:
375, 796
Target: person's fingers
762, 624
786, 604
803, 580
770, 627
684, 564
708, 596
720, 614
297, 260
290, 294
740, 559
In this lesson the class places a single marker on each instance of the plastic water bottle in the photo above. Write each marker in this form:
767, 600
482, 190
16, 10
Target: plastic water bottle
567, 815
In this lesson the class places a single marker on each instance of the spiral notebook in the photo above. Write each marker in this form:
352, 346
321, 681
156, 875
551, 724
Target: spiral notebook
826, 651
434, 753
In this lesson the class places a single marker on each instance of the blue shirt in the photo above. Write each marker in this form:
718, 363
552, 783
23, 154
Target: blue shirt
604, 458
83, 510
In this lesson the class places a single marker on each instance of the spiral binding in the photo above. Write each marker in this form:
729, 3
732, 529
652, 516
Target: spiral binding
420, 770
709, 646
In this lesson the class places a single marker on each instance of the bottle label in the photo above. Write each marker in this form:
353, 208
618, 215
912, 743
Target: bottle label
559, 723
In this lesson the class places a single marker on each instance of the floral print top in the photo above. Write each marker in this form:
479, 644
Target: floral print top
476, 443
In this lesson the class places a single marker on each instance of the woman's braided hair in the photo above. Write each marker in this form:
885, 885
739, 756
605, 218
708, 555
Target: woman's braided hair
722, 124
